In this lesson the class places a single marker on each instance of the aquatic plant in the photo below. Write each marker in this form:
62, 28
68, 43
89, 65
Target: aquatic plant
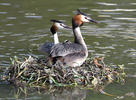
36, 72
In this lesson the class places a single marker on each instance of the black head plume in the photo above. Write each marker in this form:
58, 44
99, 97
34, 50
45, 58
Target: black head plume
53, 20
79, 12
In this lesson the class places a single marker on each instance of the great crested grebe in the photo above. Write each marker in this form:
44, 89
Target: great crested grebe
46, 47
72, 54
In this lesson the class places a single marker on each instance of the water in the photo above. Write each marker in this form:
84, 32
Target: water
25, 24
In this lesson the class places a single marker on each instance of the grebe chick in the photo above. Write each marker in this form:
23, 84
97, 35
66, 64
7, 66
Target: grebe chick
46, 47
72, 54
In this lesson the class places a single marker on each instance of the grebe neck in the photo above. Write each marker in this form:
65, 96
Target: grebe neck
78, 38
56, 40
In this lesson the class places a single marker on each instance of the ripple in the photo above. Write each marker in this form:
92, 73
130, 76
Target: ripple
3, 12
133, 38
84, 8
1, 36
104, 16
11, 48
11, 18
36, 17
131, 63
5, 4
111, 13
108, 47
2, 56
98, 54
122, 18
91, 51
12, 42
30, 14
7, 54
23, 23
21, 11
4, 63
129, 75
19, 34
51, 10
34, 39
132, 54
23, 39
1, 48
129, 50
20, 50
111, 10
106, 4
132, 3
3, 41
113, 26
96, 43
6, 32
62, 15
9, 24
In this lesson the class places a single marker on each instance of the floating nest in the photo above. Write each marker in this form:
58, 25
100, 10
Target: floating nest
36, 72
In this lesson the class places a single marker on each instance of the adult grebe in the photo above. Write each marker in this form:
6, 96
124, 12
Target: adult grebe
46, 47
72, 54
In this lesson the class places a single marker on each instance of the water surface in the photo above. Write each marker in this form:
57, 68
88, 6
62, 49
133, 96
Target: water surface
25, 24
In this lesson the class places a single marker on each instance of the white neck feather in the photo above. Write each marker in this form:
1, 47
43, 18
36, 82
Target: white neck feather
79, 39
77, 30
56, 40
78, 36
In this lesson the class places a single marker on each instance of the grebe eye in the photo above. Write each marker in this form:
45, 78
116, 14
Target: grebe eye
85, 17
61, 25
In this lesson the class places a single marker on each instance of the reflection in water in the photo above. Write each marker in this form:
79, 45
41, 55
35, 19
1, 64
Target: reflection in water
69, 94
50, 92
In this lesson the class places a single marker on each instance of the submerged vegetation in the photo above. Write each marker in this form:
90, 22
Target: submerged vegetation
35, 72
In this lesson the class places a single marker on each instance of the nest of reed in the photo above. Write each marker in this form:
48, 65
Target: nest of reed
35, 72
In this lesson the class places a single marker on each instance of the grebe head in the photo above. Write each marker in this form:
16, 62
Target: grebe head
81, 18
58, 25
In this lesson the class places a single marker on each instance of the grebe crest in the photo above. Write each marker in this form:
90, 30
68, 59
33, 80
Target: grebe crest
81, 18
58, 25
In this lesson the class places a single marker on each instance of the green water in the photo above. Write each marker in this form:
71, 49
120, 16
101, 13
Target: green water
24, 24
